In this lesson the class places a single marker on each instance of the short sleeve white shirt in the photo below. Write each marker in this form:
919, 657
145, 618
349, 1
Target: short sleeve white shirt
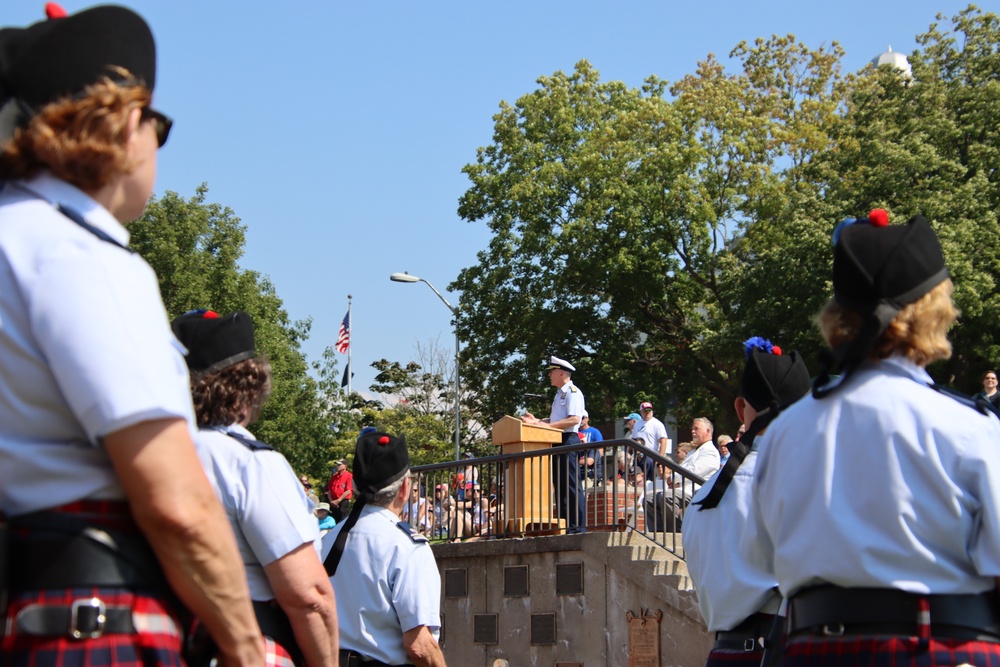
884, 483
264, 500
731, 586
387, 583
85, 347
568, 402
651, 432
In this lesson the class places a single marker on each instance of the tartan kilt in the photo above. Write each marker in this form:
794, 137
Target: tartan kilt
275, 654
888, 651
157, 640
719, 658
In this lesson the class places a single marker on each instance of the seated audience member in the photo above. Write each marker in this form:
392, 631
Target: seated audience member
682, 450
415, 510
723, 444
326, 521
989, 392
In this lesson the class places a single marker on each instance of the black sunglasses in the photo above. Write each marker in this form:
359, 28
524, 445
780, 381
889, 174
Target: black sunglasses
163, 124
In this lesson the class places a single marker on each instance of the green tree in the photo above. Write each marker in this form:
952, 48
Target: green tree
613, 211
194, 247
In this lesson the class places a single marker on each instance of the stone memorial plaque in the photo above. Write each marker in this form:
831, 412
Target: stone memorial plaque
644, 639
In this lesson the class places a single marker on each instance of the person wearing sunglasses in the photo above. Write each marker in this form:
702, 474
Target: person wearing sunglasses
110, 515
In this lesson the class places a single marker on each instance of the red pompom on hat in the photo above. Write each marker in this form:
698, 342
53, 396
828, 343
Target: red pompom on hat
210, 315
776, 350
384, 440
879, 217
54, 10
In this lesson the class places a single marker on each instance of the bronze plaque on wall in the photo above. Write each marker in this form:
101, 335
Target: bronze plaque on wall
644, 639
484, 629
543, 629
515, 580
569, 578
456, 582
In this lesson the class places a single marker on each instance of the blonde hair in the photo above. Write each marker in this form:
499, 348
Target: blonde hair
919, 331
80, 140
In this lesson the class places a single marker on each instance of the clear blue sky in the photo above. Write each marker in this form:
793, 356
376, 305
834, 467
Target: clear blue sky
337, 130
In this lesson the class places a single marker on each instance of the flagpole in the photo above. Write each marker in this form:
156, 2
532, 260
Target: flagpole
350, 343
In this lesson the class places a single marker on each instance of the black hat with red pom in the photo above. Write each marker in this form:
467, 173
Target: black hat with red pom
214, 342
878, 269
61, 56
379, 460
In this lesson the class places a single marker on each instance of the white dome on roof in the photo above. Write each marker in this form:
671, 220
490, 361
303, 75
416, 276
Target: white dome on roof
896, 59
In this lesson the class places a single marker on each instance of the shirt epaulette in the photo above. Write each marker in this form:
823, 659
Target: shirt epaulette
250, 443
978, 404
414, 536
573, 388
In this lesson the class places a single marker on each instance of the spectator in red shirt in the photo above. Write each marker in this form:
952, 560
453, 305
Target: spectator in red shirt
340, 491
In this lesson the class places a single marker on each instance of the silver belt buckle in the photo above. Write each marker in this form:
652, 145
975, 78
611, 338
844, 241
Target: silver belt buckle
749, 645
834, 630
101, 618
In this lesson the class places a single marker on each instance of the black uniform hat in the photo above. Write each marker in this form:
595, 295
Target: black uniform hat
877, 264
60, 57
379, 460
214, 342
877, 270
771, 378
771, 382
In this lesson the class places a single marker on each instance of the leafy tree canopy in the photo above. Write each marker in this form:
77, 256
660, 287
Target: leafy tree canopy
644, 233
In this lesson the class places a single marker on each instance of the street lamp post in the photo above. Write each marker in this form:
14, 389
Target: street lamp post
407, 278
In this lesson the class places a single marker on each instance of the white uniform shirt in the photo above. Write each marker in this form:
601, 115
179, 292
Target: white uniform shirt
885, 483
264, 500
85, 348
386, 584
651, 432
568, 402
730, 585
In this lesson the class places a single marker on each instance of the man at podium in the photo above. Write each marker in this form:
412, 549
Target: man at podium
567, 409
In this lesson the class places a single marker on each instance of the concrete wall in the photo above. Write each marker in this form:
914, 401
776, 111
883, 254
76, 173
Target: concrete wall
620, 573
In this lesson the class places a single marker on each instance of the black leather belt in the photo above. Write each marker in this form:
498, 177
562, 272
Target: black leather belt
833, 611
87, 618
748, 636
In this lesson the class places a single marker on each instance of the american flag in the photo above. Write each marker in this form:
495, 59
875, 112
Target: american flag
344, 336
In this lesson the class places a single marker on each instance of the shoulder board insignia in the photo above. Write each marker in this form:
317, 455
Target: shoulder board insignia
573, 388
414, 536
250, 443
979, 404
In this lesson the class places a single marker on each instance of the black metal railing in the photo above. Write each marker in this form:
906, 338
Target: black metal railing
625, 487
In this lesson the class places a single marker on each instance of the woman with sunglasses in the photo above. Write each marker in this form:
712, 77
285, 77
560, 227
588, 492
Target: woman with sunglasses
110, 516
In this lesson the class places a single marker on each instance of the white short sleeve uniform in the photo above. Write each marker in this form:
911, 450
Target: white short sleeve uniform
386, 584
885, 483
264, 500
85, 347
730, 586
568, 402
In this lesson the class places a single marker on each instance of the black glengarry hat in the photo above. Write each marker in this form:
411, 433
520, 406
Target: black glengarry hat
877, 264
772, 379
60, 57
214, 342
878, 269
379, 460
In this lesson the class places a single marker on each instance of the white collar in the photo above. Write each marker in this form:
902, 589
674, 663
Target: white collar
57, 191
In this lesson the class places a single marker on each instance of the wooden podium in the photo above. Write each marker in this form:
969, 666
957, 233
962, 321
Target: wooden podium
527, 496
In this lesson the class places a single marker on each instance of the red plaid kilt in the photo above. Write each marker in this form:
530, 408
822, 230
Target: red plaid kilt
275, 654
158, 639
888, 651
719, 658
157, 643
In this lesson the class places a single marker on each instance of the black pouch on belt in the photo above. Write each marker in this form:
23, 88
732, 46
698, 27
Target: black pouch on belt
49, 550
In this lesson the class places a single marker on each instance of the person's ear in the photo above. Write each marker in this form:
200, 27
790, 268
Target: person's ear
740, 405
132, 124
